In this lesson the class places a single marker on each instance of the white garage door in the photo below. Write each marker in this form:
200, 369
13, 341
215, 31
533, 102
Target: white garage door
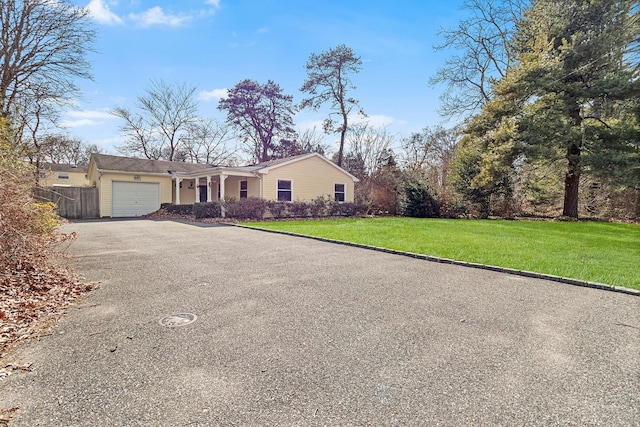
134, 198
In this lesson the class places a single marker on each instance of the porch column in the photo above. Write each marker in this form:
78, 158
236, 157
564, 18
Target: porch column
178, 181
209, 189
196, 183
222, 179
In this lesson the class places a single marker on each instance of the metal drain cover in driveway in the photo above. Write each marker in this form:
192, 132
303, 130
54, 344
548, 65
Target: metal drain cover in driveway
175, 320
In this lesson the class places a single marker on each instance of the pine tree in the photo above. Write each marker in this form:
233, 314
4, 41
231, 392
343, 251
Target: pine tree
575, 89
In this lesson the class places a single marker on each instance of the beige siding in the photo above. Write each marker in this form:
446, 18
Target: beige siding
187, 192
106, 183
312, 177
232, 187
51, 178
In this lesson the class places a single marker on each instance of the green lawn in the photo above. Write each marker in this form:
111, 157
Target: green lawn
594, 251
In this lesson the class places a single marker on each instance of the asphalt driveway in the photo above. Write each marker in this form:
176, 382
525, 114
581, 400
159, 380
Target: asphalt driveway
291, 331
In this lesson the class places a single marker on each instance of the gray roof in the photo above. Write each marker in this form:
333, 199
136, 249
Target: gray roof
107, 162
275, 162
63, 168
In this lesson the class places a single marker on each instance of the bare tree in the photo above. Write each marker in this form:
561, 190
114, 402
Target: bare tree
368, 144
312, 141
431, 153
328, 81
206, 142
63, 149
43, 45
483, 42
159, 130
34, 116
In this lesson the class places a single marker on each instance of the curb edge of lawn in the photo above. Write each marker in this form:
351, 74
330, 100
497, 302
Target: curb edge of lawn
569, 281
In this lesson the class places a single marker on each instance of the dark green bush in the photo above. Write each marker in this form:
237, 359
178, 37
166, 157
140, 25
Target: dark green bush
417, 200
207, 210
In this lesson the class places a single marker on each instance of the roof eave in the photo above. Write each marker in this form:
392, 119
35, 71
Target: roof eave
134, 172
266, 170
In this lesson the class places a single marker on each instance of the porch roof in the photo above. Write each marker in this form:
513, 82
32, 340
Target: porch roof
213, 171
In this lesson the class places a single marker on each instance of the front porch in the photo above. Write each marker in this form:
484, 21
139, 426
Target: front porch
213, 185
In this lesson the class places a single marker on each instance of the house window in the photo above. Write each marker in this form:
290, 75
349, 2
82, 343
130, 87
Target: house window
63, 176
243, 189
339, 192
285, 192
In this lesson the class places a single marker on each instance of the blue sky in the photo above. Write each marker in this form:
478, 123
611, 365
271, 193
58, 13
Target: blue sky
214, 44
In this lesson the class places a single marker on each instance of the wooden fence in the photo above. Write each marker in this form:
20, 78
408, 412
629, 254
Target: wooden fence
71, 202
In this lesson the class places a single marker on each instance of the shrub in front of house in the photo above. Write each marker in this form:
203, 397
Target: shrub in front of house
299, 209
277, 209
179, 209
249, 208
207, 210
319, 207
347, 209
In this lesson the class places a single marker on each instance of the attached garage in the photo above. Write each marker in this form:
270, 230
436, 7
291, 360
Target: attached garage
131, 199
131, 187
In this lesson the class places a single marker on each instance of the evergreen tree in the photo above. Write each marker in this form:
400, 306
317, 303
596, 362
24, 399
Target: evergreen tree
575, 87
260, 114
573, 95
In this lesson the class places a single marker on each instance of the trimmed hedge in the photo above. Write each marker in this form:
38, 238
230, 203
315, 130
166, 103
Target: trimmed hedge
253, 208
249, 208
207, 210
179, 209
317, 208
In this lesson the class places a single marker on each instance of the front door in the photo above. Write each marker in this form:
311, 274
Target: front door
203, 193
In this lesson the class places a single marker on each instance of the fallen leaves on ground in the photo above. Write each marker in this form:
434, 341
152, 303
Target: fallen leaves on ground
6, 415
164, 214
31, 299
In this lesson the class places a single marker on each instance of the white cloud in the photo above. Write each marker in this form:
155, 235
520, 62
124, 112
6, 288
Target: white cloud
101, 13
310, 124
78, 123
209, 95
85, 118
214, 3
263, 30
374, 120
157, 16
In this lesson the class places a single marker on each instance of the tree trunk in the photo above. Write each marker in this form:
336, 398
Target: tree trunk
343, 133
341, 150
571, 182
